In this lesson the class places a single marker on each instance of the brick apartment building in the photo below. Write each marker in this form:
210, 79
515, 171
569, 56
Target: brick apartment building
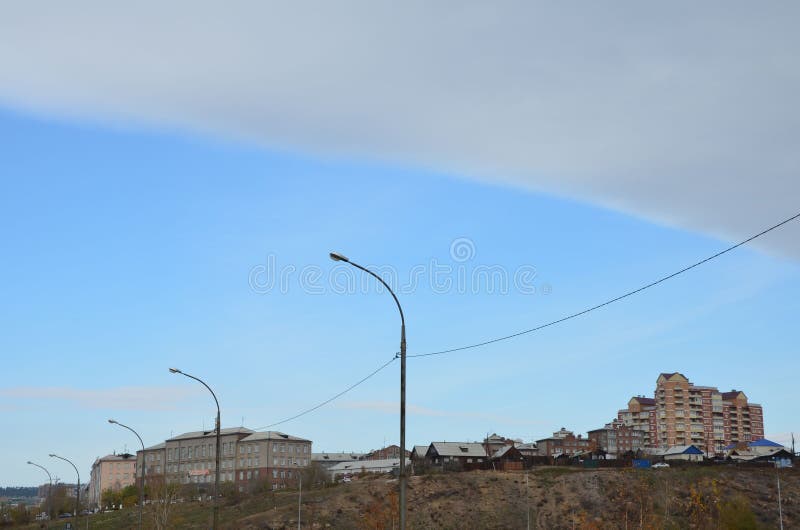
617, 439
247, 457
682, 413
564, 442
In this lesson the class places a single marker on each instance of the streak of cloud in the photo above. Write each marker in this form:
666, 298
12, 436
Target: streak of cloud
120, 398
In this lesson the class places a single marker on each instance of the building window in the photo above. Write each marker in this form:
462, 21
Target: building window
241, 475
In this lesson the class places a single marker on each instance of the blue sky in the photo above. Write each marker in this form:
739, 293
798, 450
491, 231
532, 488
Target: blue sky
127, 250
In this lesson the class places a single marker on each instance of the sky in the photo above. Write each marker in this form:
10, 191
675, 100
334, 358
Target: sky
170, 190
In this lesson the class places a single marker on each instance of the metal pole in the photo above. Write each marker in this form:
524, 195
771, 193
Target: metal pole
144, 469
78, 491
215, 504
780, 507
403, 479
49, 489
299, 499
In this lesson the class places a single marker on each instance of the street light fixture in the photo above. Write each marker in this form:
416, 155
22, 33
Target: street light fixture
218, 427
335, 256
49, 489
144, 468
78, 490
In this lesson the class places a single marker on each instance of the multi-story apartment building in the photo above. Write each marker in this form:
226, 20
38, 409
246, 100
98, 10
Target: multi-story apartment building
564, 442
617, 439
641, 416
682, 413
111, 472
246, 456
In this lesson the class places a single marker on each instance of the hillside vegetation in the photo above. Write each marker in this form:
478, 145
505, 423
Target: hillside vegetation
555, 497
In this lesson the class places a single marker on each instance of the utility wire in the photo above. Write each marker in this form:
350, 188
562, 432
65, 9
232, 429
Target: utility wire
340, 394
611, 301
537, 328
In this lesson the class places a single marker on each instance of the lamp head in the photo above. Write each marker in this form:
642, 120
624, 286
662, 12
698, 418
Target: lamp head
175, 371
52, 455
335, 256
30, 462
112, 421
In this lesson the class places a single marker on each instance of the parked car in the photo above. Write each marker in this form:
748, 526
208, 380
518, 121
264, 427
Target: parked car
660, 465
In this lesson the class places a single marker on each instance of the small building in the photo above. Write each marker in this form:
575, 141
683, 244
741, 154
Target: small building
456, 455
690, 453
507, 458
389, 465
418, 453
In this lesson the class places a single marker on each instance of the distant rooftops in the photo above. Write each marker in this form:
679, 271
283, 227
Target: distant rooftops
211, 433
272, 435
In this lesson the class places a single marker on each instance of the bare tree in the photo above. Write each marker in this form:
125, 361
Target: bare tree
162, 494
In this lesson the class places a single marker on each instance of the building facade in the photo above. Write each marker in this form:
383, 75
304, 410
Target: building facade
564, 442
111, 472
617, 439
682, 413
246, 458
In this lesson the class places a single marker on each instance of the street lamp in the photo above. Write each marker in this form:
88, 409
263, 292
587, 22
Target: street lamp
300, 496
78, 491
49, 489
216, 470
335, 256
144, 468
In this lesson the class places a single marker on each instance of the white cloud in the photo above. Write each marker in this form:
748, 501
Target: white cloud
680, 112
128, 398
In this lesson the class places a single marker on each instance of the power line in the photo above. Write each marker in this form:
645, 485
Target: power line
611, 301
340, 394
537, 328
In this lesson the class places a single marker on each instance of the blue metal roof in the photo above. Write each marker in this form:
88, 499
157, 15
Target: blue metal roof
764, 443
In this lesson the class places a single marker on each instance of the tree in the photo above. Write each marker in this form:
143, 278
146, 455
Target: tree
162, 494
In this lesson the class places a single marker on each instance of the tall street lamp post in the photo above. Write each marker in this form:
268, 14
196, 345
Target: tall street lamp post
339, 257
144, 468
300, 495
78, 491
49, 489
216, 470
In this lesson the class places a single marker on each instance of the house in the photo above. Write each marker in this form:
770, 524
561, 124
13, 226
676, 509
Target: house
458, 455
418, 453
690, 453
507, 458
779, 456
756, 448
